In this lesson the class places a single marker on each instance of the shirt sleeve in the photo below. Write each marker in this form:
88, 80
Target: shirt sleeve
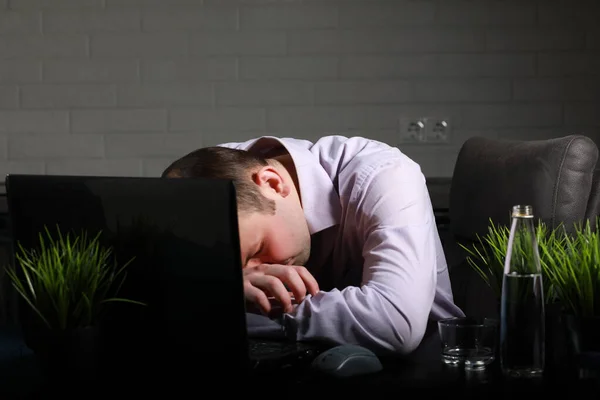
390, 310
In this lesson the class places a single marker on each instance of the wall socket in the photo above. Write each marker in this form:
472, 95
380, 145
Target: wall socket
425, 129
412, 130
437, 130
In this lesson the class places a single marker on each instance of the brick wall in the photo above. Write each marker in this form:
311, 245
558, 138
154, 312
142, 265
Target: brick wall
122, 87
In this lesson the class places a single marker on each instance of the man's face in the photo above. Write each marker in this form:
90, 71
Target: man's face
282, 238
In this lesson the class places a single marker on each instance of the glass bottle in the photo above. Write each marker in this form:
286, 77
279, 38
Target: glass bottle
522, 313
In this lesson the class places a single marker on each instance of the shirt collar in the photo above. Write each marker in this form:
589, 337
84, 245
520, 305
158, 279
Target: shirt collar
320, 200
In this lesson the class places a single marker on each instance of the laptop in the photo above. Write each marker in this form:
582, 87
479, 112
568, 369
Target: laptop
181, 236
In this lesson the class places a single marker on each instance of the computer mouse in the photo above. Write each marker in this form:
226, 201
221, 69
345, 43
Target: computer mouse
346, 360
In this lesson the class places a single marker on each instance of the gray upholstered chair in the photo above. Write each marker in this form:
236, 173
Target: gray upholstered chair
593, 207
555, 176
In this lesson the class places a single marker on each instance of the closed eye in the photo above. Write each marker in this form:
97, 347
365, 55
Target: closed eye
259, 251
255, 257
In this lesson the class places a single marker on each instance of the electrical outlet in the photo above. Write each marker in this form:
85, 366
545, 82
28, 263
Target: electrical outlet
412, 130
437, 130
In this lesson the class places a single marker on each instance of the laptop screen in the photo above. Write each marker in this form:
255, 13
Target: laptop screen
181, 236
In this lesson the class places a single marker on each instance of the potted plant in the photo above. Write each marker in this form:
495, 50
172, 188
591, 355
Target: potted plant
571, 276
66, 284
573, 272
486, 256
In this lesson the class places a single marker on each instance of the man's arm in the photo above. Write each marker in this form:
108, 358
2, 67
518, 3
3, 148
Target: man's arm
389, 312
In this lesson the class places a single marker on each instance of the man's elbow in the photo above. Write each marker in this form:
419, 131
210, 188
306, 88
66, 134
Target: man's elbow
410, 343
398, 333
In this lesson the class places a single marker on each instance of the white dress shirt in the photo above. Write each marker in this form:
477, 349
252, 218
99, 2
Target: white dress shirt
376, 251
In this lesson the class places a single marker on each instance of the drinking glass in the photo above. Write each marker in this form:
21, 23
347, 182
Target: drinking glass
468, 341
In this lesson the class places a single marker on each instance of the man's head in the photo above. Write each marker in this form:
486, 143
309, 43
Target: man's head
273, 229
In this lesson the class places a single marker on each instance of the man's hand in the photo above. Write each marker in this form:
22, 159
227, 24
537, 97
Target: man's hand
274, 280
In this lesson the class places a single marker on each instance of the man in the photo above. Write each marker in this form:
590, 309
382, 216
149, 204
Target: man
340, 233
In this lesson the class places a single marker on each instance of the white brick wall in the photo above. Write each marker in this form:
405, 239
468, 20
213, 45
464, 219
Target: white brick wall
122, 87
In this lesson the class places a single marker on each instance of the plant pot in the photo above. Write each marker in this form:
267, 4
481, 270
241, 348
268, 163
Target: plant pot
71, 354
583, 341
556, 341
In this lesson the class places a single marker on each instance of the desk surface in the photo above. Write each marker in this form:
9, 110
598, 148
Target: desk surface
425, 372
422, 371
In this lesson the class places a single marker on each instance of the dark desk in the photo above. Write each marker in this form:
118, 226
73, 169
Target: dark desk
422, 372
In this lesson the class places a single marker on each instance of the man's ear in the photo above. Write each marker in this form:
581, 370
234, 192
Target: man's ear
174, 173
271, 182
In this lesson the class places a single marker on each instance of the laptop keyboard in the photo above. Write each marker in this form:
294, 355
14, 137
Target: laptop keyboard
261, 349
281, 357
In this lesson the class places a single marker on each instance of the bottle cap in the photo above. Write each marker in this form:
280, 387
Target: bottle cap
522, 211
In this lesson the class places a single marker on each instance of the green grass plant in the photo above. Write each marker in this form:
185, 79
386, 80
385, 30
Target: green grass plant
69, 279
570, 264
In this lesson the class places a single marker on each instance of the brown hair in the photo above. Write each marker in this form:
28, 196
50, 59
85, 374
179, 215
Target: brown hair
226, 163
